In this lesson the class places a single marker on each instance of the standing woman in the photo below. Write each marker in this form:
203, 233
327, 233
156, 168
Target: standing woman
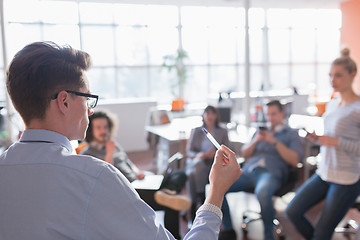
200, 153
337, 178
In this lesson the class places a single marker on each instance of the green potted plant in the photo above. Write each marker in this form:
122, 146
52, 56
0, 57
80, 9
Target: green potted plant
176, 62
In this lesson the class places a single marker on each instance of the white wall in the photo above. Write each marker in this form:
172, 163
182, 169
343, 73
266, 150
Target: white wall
130, 121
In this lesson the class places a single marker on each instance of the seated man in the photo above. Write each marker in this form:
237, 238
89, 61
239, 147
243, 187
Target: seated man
269, 155
99, 136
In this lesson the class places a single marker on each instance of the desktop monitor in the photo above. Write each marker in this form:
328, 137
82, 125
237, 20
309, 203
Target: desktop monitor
225, 114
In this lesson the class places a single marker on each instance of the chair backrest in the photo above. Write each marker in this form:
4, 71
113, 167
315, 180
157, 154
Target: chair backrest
158, 117
174, 178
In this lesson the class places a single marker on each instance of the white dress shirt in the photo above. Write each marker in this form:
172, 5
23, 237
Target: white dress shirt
47, 192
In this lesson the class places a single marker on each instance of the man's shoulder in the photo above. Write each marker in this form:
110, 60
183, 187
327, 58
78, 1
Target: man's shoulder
198, 129
222, 130
290, 130
84, 164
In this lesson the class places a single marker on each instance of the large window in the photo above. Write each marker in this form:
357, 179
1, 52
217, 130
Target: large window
288, 47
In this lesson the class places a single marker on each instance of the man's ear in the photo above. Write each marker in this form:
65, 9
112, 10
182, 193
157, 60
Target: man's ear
62, 101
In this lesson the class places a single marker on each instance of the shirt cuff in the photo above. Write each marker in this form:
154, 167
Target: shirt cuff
211, 208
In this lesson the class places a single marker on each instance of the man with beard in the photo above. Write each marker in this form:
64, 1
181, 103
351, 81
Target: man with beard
98, 135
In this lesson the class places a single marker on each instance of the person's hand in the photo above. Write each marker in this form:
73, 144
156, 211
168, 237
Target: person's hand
259, 136
268, 137
225, 170
140, 176
110, 147
211, 153
328, 141
201, 155
312, 137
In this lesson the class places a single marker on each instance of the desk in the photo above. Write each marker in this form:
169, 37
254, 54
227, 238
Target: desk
172, 138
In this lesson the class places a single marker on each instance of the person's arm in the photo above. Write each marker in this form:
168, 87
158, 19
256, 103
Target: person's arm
114, 207
224, 172
124, 164
289, 154
347, 145
248, 149
110, 149
130, 165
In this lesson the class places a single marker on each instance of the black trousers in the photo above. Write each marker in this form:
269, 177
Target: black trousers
171, 220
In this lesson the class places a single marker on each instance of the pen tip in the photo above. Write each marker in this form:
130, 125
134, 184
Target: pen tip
205, 131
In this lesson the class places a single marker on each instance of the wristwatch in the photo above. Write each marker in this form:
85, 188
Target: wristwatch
275, 143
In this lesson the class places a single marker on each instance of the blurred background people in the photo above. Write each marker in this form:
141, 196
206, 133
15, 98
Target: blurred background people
337, 178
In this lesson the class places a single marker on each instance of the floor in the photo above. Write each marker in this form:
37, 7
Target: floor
241, 201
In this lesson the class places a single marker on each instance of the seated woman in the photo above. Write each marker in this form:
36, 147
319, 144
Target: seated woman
200, 154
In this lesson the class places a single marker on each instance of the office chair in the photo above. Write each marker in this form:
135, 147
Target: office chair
285, 188
156, 117
351, 226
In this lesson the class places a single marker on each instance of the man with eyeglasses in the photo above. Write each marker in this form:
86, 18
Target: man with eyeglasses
48, 192
91, 100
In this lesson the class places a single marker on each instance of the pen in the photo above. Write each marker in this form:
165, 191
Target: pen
211, 138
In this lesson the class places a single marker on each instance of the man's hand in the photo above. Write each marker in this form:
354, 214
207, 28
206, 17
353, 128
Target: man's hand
206, 155
200, 155
224, 172
312, 137
259, 136
268, 137
140, 176
110, 147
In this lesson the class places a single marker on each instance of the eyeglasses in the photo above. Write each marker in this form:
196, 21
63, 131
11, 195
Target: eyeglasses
91, 100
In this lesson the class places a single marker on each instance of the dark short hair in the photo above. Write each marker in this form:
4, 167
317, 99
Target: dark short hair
276, 103
89, 132
214, 110
40, 70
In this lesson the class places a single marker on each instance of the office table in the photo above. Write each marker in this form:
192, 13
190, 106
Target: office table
173, 137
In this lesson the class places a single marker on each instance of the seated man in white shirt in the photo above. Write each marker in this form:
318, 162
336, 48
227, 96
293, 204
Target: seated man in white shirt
48, 192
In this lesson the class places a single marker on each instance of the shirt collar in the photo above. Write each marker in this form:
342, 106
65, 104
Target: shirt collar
42, 135
279, 128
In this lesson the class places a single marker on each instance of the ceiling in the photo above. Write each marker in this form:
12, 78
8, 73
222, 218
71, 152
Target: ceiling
252, 3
